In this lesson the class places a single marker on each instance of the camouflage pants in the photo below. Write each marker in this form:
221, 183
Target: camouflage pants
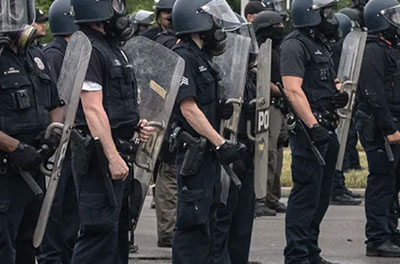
166, 199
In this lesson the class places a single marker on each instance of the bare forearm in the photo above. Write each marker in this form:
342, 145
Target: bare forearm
198, 121
7, 143
296, 96
57, 115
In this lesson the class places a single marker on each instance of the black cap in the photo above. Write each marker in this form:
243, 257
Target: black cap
254, 7
40, 16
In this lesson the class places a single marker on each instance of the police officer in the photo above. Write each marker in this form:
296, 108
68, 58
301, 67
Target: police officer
142, 20
107, 118
252, 9
163, 33
40, 25
28, 103
309, 81
200, 147
340, 194
378, 117
63, 223
269, 24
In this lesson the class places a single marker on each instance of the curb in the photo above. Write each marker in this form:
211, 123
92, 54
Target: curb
286, 191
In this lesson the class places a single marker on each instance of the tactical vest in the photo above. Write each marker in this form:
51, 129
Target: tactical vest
319, 78
56, 46
25, 93
207, 83
166, 38
119, 87
392, 79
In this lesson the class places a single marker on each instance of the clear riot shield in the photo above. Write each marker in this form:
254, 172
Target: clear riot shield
158, 73
349, 73
72, 76
263, 102
233, 64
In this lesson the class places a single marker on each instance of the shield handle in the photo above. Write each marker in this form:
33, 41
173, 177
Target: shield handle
248, 124
349, 105
156, 124
57, 128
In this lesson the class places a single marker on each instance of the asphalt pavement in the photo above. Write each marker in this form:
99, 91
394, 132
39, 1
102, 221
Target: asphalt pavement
341, 240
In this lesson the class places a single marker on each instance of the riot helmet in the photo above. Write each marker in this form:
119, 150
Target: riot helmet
375, 19
163, 6
355, 16
269, 24
205, 17
359, 3
16, 14
277, 6
111, 12
16, 19
345, 24
142, 20
60, 18
309, 13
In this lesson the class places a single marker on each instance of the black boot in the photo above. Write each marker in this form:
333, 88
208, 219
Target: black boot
321, 260
260, 209
344, 199
387, 249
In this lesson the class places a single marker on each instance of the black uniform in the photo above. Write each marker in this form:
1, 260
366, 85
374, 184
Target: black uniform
152, 33
27, 95
63, 224
193, 237
309, 59
232, 236
378, 116
103, 232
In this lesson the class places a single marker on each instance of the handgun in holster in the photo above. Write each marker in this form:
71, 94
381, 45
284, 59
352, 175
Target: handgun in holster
195, 151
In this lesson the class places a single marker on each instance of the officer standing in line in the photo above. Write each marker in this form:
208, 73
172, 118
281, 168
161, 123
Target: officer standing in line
163, 9
340, 194
269, 24
165, 195
200, 147
63, 224
378, 116
142, 20
28, 103
312, 88
40, 25
107, 118
252, 9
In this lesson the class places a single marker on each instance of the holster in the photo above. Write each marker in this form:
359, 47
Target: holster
367, 125
195, 151
82, 143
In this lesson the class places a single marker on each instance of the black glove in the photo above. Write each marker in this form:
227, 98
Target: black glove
49, 145
229, 153
340, 99
249, 111
319, 135
25, 156
226, 110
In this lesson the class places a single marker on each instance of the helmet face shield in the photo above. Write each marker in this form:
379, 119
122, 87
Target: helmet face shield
318, 4
16, 14
392, 15
221, 12
119, 6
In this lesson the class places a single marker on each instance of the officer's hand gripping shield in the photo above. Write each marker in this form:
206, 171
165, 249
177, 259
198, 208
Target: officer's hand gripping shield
349, 73
263, 103
72, 76
233, 69
233, 65
158, 73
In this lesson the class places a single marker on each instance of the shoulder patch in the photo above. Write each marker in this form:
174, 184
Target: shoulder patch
39, 63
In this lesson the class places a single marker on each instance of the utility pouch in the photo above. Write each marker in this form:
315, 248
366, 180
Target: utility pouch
368, 126
22, 98
194, 155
